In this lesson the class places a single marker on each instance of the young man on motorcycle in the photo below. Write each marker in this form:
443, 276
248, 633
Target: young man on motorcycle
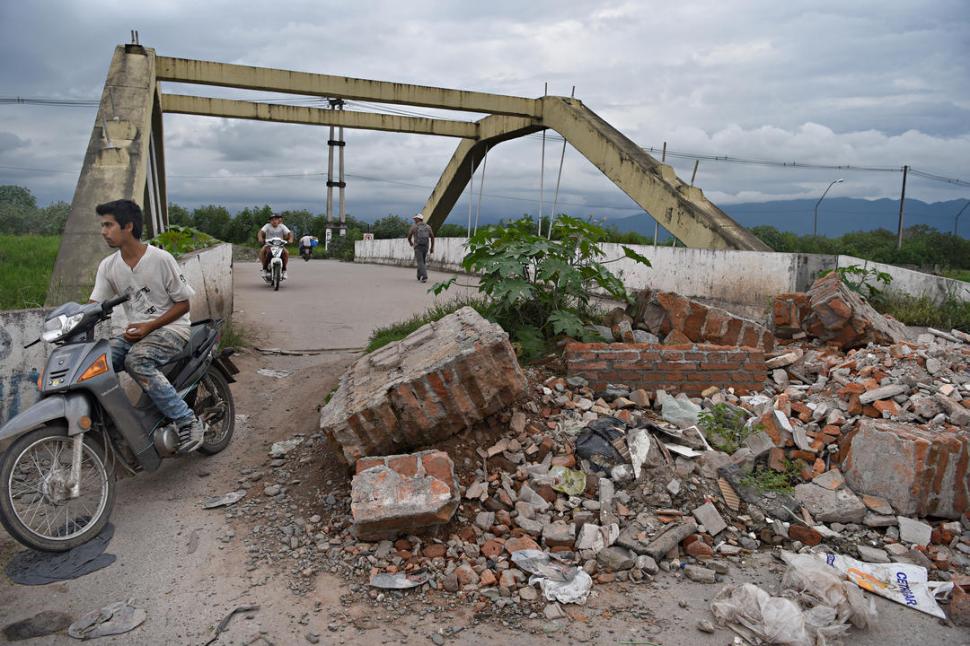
307, 243
157, 311
273, 229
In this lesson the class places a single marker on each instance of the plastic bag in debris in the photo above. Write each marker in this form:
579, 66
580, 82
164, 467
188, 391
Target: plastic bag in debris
603, 443
569, 481
775, 620
903, 583
557, 580
818, 585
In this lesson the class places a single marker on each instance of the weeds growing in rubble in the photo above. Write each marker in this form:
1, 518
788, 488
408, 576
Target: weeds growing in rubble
766, 479
724, 427
538, 288
397, 331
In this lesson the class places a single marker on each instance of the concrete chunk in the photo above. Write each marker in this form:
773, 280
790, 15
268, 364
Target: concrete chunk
434, 383
913, 531
920, 471
402, 493
829, 506
708, 516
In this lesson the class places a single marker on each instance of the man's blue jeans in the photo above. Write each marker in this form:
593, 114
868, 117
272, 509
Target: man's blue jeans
142, 361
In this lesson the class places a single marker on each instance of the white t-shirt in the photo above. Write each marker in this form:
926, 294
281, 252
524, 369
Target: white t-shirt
307, 241
275, 232
153, 286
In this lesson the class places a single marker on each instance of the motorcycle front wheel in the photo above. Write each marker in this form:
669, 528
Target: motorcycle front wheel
276, 278
35, 503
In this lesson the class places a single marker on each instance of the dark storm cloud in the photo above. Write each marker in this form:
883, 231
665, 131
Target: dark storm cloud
867, 82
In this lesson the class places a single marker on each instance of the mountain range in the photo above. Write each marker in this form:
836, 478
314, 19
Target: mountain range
836, 216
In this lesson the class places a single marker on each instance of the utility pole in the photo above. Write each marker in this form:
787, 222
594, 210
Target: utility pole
335, 104
341, 183
902, 203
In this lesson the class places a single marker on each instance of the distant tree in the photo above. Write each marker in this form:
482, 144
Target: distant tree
18, 209
390, 226
52, 218
213, 220
179, 215
451, 231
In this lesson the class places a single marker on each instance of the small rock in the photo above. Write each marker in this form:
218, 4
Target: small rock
272, 490
700, 574
708, 516
872, 554
705, 626
616, 558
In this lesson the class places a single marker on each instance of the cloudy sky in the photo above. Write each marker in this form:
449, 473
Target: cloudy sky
875, 83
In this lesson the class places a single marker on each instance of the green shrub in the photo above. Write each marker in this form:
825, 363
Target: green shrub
539, 288
178, 240
766, 479
26, 263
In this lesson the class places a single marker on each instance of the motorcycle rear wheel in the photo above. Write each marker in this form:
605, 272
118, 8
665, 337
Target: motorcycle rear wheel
33, 507
214, 405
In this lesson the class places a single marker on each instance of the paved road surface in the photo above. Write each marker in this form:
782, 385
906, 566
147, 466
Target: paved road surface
330, 304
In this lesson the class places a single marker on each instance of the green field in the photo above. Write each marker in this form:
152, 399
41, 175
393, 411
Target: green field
26, 263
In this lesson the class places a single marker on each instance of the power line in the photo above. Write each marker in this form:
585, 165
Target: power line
371, 107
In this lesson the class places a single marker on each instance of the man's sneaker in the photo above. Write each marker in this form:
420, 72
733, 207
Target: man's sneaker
191, 435
284, 275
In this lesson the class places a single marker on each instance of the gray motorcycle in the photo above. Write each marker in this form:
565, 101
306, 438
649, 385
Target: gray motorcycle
58, 477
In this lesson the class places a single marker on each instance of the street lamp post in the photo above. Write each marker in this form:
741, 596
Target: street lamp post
956, 220
815, 224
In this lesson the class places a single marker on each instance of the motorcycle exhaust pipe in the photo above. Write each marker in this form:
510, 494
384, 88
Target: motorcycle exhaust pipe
166, 440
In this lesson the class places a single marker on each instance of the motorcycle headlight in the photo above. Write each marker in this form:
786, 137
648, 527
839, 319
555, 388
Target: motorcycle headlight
59, 327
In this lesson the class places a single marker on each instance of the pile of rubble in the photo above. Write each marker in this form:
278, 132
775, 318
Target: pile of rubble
588, 480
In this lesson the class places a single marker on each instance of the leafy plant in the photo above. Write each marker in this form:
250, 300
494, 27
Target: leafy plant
911, 310
863, 281
537, 287
178, 240
724, 427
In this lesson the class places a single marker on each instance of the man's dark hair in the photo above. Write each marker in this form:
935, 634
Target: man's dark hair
124, 212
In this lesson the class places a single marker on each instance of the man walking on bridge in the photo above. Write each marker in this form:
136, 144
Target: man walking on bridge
421, 238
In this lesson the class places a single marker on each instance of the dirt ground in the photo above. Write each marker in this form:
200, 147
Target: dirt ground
173, 562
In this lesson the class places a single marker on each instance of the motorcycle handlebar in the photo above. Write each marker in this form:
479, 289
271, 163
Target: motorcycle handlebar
109, 305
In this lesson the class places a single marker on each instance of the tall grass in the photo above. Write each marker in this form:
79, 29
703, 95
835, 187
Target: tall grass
924, 312
26, 263
397, 331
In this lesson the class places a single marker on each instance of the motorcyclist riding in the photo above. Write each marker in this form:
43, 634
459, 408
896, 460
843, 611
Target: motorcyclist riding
273, 229
157, 310
307, 243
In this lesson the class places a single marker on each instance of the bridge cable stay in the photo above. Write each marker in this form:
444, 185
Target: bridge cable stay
562, 157
542, 166
481, 189
471, 191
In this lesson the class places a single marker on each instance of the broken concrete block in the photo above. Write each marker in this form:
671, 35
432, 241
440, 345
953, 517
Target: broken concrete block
829, 506
913, 531
885, 392
920, 471
666, 312
615, 559
844, 317
439, 380
708, 516
669, 538
402, 493
872, 554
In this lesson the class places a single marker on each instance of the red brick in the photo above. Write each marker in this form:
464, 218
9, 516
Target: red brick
367, 463
406, 465
805, 535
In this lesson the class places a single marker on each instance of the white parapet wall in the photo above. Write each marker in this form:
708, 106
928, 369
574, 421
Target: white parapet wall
208, 271
748, 278
914, 283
